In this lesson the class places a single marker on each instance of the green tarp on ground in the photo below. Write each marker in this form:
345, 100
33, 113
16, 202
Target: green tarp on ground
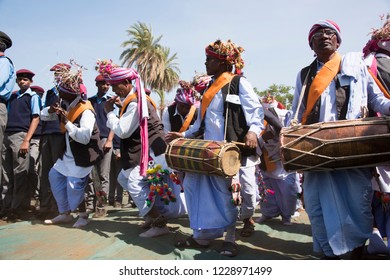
115, 237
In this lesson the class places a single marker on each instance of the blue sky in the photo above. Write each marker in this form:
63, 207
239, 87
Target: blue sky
273, 33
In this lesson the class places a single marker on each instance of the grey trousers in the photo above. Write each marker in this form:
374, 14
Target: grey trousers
3, 124
15, 169
100, 175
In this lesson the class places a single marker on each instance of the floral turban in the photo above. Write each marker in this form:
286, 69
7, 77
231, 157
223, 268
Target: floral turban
228, 51
380, 39
69, 80
325, 24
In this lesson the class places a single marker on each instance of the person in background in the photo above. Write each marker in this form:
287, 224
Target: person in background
102, 168
279, 193
182, 113
338, 202
7, 83
69, 175
377, 58
52, 146
209, 200
24, 107
35, 157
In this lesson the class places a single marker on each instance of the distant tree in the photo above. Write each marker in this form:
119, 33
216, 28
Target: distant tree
143, 51
283, 94
157, 69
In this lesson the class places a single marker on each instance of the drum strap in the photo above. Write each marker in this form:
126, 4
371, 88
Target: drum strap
294, 121
321, 81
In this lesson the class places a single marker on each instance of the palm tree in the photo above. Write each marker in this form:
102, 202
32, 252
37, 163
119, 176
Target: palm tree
156, 67
141, 51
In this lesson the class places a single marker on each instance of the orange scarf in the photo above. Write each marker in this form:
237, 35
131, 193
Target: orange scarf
379, 84
188, 120
320, 82
130, 98
219, 83
76, 111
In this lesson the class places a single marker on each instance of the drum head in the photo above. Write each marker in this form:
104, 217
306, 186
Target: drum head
231, 162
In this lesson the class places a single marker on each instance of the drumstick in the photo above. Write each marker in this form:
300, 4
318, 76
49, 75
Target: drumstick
238, 143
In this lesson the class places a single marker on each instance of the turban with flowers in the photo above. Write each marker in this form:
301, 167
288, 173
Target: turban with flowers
114, 74
380, 39
228, 52
325, 24
69, 80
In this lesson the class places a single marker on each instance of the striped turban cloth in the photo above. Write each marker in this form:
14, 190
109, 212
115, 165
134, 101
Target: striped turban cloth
186, 94
324, 24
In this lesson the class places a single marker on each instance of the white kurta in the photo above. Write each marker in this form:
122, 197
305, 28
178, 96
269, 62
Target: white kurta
338, 202
208, 198
130, 179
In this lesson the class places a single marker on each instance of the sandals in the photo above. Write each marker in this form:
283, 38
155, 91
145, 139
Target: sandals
229, 249
248, 229
189, 243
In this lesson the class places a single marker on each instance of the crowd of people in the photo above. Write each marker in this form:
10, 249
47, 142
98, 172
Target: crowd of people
64, 153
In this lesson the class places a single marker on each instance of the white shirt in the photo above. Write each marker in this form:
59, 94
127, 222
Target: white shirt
67, 166
124, 126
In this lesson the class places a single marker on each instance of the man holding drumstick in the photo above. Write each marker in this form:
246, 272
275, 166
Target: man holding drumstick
230, 110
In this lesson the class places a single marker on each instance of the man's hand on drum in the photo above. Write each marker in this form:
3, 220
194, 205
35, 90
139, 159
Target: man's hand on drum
172, 136
251, 140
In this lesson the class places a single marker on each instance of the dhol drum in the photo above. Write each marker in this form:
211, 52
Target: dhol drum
336, 145
203, 156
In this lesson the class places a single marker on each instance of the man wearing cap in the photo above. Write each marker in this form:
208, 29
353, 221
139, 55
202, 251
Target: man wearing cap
182, 113
377, 58
70, 173
229, 100
35, 157
142, 150
23, 111
7, 83
337, 87
102, 174
52, 145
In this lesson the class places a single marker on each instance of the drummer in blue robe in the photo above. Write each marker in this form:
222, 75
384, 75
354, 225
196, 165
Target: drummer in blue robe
338, 203
209, 201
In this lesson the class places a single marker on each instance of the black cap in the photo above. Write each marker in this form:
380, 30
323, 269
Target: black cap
6, 39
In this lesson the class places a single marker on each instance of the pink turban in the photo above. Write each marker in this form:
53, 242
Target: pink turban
119, 74
113, 74
324, 24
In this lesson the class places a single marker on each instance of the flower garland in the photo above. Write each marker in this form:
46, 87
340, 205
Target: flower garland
158, 186
263, 191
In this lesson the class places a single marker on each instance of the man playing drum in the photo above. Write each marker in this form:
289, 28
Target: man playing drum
336, 87
228, 103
